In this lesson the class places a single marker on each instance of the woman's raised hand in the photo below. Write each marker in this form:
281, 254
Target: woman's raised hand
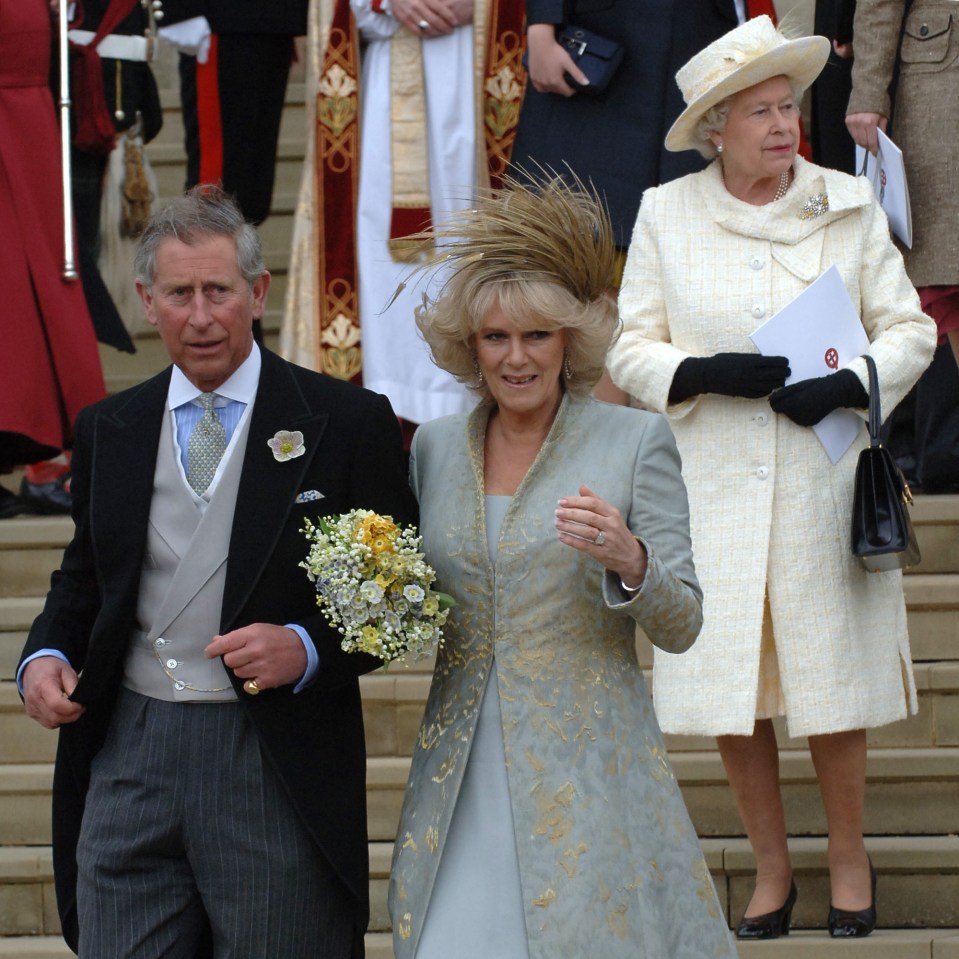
593, 526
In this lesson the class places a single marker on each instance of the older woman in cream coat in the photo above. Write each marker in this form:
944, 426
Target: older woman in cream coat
542, 817
793, 625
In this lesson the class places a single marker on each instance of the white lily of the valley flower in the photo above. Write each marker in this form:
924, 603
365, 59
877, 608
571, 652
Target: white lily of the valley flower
286, 445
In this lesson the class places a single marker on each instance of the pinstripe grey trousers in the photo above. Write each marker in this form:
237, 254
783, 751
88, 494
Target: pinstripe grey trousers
187, 831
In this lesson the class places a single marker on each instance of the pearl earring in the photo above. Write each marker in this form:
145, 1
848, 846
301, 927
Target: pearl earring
719, 148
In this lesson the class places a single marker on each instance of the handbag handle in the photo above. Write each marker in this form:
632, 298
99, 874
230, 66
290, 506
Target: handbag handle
875, 420
875, 414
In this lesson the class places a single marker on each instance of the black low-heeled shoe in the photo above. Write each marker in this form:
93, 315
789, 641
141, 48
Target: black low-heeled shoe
846, 924
770, 925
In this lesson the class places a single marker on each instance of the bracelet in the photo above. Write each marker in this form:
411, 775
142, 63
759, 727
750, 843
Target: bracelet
630, 590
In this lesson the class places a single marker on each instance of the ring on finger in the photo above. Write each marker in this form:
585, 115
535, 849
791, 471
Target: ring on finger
600, 538
424, 25
251, 687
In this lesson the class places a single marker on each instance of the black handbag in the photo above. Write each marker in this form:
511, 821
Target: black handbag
882, 533
596, 56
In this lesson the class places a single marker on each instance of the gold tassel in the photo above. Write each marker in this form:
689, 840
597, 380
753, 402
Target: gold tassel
135, 191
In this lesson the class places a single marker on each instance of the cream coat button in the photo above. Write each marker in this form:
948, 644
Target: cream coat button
758, 310
756, 263
762, 418
171, 664
763, 472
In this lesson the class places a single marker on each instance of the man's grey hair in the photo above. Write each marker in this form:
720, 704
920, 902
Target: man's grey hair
203, 212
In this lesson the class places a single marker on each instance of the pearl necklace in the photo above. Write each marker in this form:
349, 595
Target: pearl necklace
783, 186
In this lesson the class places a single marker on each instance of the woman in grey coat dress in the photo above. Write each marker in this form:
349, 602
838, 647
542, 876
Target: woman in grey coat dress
542, 817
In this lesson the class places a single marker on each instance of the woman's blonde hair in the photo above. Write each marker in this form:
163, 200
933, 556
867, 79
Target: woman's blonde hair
541, 251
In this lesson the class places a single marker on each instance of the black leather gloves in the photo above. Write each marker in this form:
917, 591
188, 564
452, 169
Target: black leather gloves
731, 374
808, 401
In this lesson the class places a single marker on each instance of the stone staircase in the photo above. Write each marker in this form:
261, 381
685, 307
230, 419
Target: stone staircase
912, 809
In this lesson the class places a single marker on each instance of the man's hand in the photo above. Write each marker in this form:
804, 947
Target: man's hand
47, 682
549, 62
441, 16
272, 655
842, 50
862, 128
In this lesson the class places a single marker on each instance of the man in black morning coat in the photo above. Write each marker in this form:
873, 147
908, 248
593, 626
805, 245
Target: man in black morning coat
180, 649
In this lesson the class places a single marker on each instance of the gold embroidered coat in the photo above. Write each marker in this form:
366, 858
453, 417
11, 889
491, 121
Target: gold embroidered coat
610, 864
768, 512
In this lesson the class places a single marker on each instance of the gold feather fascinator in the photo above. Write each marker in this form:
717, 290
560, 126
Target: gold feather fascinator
545, 228
542, 250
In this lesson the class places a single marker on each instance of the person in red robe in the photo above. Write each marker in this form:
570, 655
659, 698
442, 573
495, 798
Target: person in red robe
49, 364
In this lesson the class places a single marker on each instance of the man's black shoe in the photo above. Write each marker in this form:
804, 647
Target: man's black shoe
48, 499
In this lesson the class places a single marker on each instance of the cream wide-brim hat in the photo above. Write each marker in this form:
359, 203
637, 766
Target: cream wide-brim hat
755, 51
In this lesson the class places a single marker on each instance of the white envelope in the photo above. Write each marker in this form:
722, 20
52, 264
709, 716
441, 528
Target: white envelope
887, 173
819, 332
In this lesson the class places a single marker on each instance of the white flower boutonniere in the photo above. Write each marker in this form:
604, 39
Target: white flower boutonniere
286, 445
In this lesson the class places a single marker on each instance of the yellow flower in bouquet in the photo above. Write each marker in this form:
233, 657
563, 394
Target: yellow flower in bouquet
377, 532
374, 586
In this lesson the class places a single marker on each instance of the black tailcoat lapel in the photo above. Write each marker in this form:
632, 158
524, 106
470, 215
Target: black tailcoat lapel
268, 488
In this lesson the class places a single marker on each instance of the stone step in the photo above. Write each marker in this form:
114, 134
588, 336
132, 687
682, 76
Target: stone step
908, 792
292, 123
932, 608
18, 612
169, 166
918, 882
882, 944
936, 519
913, 791
932, 603
393, 706
917, 886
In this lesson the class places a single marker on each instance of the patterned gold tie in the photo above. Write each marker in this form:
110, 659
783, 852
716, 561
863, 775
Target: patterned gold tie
205, 448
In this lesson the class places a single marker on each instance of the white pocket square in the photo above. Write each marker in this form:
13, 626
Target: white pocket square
309, 496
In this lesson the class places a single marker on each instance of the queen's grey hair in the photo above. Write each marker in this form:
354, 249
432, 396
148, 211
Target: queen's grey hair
714, 120
203, 212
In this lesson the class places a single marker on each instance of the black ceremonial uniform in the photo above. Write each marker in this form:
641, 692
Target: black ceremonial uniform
233, 103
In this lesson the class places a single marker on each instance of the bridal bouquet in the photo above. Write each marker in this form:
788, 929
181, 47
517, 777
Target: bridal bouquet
373, 585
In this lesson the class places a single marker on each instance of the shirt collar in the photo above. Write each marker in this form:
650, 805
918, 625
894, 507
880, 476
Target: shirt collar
241, 386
